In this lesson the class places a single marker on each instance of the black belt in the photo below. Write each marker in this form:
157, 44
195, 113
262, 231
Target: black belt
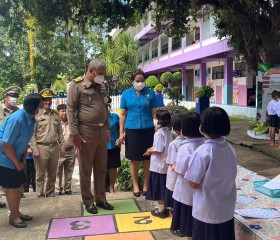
47, 144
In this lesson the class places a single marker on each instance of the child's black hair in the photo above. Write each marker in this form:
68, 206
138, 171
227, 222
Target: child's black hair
190, 125
176, 122
215, 122
61, 107
274, 94
163, 117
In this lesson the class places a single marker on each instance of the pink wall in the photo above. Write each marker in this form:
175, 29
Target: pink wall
242, 95
219, 95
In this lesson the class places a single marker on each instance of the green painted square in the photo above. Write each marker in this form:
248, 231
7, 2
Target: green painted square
121, 206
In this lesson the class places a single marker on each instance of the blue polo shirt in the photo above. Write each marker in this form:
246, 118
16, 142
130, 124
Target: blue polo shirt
114, 130
16, 130
138, 108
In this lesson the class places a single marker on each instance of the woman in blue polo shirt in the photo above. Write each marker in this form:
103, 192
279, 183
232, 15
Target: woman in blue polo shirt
138, 106
15, 134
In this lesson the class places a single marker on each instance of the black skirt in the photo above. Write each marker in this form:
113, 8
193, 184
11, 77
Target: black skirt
114, 158
11, 178
168, 199
157, 186
137, 141
207, 231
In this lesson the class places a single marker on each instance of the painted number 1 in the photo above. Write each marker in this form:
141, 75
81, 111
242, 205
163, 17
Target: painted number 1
80, 225
143, 220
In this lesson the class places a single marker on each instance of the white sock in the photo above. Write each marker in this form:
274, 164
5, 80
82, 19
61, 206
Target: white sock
160, 208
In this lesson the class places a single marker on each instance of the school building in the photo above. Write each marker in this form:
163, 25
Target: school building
202, 59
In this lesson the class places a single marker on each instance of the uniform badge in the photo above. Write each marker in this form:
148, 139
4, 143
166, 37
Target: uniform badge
147, 95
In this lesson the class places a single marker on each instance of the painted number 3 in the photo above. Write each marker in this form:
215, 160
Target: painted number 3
80, 225
143, 220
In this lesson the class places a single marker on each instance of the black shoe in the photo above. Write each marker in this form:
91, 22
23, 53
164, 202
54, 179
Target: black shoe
69, 192
26, 218
163, 214
26, 190
105, 205
58, 193
144, 193
2, 205
91, 209
17, 225
136, 194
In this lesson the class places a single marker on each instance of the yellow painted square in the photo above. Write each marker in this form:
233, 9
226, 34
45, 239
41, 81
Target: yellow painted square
142, 221
122, 236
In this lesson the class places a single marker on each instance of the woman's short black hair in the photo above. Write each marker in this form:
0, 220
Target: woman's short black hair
163, 117
190, 125
215, 122
135, 73
31, 102
176, 122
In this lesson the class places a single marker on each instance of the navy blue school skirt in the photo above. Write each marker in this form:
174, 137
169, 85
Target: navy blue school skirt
207, 231
182, 219
168, 199
157, 186
11, 178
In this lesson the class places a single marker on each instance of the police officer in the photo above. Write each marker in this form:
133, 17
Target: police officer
67, 162
8, 106
47, 143
89, 125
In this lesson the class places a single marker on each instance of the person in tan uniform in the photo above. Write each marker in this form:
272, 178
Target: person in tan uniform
67, 162
47, 143
89, 125
7, 107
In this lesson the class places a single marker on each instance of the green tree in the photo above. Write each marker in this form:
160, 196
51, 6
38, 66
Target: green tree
252, 26
174, 81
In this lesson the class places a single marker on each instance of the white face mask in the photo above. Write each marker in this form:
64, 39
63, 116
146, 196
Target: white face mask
139, 85
40, 112
99, 79
13, 101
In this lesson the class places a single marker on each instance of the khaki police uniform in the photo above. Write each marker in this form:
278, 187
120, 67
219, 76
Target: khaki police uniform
13, 91
88, 116
47, 141
67, 162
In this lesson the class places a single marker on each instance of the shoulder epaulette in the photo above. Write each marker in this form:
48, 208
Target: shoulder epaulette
55, 111
78, 79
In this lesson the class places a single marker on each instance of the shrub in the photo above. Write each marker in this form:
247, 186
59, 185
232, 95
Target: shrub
158, 87
151, 81
124, 178
204, 91
174, 109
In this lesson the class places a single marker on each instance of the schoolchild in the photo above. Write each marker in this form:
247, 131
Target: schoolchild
176, 122
158, 167
273, 112
183, 194
212, 171
114, 150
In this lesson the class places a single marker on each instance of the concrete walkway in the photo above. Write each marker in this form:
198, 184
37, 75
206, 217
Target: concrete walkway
44, 209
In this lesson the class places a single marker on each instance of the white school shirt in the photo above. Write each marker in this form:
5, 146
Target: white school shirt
271, 107
276, 108
162, 139
213, 166
171, 159
183, 193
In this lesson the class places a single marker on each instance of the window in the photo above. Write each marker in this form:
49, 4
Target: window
146, 57
176, 44
218, 72
240, 68
154, 53
164, 49
139, 60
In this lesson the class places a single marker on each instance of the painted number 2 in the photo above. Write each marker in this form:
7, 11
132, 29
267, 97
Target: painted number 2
143, 220
80, 225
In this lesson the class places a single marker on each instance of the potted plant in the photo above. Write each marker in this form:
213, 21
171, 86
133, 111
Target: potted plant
203, 95
158, 89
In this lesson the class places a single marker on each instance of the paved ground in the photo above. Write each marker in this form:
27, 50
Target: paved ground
43, 209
